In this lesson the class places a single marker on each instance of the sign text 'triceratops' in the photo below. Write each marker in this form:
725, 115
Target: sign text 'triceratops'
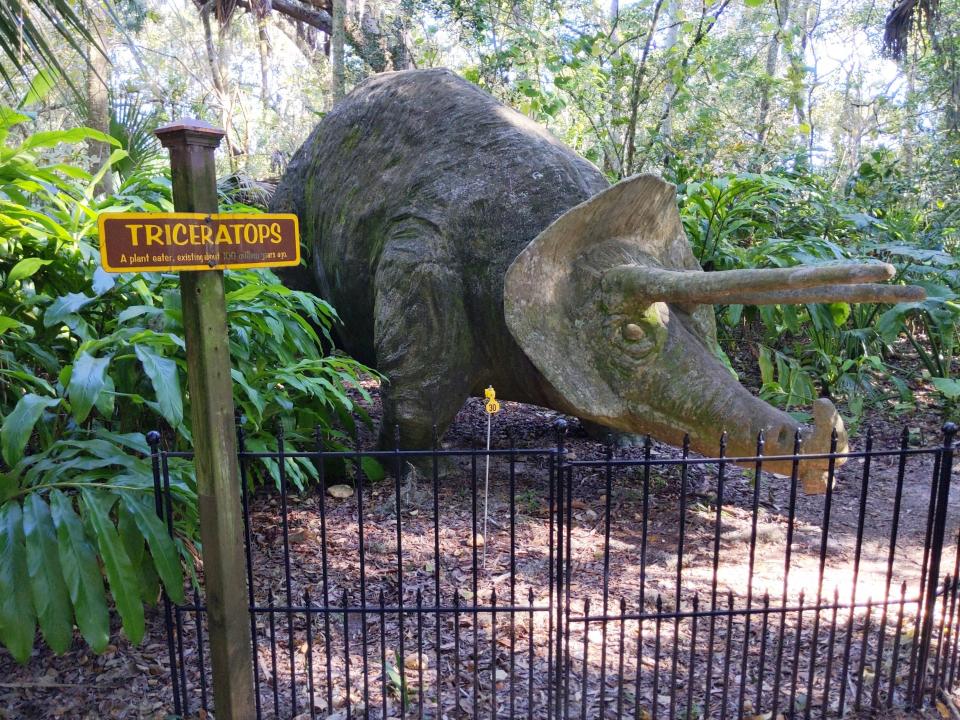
145, 242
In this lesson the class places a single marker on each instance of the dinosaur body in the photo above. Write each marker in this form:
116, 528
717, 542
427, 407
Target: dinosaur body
464, 246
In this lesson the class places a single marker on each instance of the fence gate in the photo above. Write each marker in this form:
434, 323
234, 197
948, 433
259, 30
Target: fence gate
635, 584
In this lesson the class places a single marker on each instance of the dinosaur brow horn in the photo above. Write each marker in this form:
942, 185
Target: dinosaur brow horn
859, 293
848, 282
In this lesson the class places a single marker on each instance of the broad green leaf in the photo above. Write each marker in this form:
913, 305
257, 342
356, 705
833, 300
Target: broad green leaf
256, 401
123, 579
247, 292
948, 387
69, 170
87, 381
134, 311
164, 552
766, 366
17, 617
65, 306
50, 596
18, 425
936, 290
102, 281
8, 323
115, 157
107, 401
733, 314
372, 469
891, 322
50, 138
135, 546
9, 118
25, 268
40, 86
163, 375
81, 573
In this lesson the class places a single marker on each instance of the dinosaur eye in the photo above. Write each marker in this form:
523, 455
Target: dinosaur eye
632, 332
639, 340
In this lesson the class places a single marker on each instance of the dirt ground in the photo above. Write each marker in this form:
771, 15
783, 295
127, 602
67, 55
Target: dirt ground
510, 678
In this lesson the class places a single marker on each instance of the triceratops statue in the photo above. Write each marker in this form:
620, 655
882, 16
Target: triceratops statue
464, 246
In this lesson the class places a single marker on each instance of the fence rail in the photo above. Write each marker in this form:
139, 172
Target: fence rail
625, 585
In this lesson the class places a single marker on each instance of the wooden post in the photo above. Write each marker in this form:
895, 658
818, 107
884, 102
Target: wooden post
192, 144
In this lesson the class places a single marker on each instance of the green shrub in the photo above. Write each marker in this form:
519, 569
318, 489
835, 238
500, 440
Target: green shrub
89, 362
756, 220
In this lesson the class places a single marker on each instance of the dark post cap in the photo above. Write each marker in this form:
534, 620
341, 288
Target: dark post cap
189, 131
949, 432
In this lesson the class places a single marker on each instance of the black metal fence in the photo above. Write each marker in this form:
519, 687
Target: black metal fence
632, 584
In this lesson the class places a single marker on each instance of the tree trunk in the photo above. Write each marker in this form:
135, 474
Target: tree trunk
953, 108
373, 45
635, 88
337, 75
773, 55
400, 41
673, 34
798, 71
294, 31
910, 60
98, 97
852, 123
815, 81
798, 62
220, 82
263, 44
613, 160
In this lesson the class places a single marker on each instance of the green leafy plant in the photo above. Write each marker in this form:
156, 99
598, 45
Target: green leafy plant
398, 680
89, 362
781, 220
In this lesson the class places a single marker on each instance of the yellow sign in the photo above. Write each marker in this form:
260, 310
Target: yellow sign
143, 242
492, 406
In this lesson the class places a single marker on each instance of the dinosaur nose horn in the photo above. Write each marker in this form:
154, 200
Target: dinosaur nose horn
828, 435
840, 282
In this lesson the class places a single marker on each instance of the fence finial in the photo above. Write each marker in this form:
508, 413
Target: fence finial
949, 432
560, 426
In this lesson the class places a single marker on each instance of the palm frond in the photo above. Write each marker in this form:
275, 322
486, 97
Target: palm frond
27, 28
240, 188
133, 123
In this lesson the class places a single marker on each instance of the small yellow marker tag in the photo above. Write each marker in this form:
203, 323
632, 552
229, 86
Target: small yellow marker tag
492, 405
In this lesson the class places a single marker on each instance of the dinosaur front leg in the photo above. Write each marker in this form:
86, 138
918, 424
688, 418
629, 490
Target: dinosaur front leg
423, 342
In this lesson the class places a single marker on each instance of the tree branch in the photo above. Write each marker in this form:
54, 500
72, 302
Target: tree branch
320, 19
703, 29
